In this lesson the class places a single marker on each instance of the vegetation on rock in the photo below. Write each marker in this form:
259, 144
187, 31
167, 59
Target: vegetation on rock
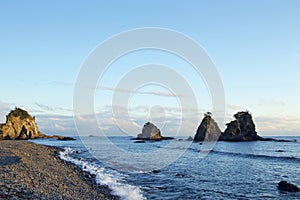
208, 129
20, 125
18, 112
241, 129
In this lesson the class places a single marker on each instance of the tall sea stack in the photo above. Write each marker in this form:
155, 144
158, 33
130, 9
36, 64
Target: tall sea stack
240, 129
208, 129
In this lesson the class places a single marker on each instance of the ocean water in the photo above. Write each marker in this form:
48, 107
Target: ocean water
232, 170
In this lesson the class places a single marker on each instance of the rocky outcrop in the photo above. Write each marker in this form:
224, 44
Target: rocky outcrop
241, 129
288, 187
208, 130
20, 125
151, 132
62, 138
189, 139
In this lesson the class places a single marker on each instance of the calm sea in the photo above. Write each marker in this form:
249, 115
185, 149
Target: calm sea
232, 170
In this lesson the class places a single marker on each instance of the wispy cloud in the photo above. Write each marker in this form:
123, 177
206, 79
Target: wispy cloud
270, 102
50, 108
56, 124
235, 107
279, 125
4, 107
157, 93
44, 107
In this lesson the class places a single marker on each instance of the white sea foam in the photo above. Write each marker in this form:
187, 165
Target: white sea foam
113, 180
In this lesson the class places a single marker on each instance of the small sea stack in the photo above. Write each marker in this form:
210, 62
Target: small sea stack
208, 129
151, 132
288, 187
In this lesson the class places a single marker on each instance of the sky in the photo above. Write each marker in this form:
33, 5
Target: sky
255, 46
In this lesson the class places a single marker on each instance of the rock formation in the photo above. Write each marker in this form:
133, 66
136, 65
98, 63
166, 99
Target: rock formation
151, 132
20, 125
208, 129
62, 138
285, 186
190, 138
241, 129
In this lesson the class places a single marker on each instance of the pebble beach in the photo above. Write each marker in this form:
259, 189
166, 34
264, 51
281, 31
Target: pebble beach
33, 171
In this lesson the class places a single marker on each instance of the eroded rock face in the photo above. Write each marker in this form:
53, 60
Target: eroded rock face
241, 129
19, 125
150, 132
208, 129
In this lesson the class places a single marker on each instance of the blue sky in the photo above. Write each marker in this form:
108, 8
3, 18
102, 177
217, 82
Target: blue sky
255, 46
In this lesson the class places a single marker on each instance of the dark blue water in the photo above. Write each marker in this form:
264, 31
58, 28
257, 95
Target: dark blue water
233, 170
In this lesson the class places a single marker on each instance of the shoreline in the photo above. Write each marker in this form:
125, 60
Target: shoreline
34, 171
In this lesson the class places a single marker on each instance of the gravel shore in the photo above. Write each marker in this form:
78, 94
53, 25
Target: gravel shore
32, 171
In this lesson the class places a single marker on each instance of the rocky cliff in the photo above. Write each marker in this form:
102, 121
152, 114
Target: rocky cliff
208, 129
20, 125
241, 129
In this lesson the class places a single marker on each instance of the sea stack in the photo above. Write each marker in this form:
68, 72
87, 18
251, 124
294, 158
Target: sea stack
208, 129
20, 125
241, 129
150, 132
